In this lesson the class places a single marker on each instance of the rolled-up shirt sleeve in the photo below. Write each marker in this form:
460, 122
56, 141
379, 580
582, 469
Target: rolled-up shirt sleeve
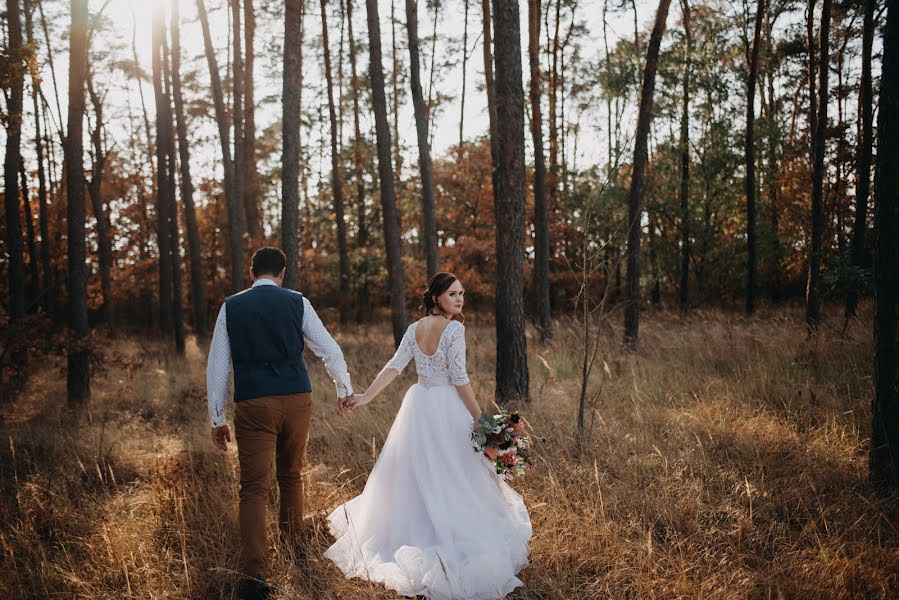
218, 369
323, 346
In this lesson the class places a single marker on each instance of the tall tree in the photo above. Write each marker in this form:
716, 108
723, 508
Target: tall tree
464, 80
12, 162
635, 211
541, 213
684, 161
509, 206
863, 178
812, 291
394, 83
363, 300
101, 215
424, 151
389, 216
884, 457
78, 372
336, 178
250, 185
237, 111
292, 85
170, 195
749, 157
49, 295
488, 80
197, 290
235, 208
163, 238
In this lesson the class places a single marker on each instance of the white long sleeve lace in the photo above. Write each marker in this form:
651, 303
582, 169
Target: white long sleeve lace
447, 361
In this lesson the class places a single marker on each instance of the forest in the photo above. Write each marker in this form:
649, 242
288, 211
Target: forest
677, 226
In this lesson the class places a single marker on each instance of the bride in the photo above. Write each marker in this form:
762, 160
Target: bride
434, 519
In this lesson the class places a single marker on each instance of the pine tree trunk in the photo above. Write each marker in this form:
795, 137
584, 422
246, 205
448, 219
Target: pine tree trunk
48, 291
12, 162
33, 277
292, 85
235, 208
174, 229
336, 179
488, 82
635, 211
78, 372
863, 179
363, 300
812, 300
541, 217
394, 82
511, 356
385, 173
197, 290
749, 157
95, 187
250, 187
685, 164
164, 240
884, 457
464, 81
237, 111
553, 98
429, 237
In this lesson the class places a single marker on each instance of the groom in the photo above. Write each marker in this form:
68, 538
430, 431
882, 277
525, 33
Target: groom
263, 331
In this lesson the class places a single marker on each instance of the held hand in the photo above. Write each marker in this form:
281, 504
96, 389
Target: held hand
220, 437
357, 400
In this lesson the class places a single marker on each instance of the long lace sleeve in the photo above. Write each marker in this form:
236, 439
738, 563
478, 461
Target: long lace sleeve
404, 353
455, 356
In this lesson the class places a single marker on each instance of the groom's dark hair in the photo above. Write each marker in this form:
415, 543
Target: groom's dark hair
268, 261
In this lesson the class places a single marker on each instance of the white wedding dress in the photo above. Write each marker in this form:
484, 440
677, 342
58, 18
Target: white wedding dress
434, 518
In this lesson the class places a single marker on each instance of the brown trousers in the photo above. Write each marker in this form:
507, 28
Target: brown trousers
271, 429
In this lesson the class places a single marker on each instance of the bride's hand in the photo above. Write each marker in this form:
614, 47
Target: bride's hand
357, 400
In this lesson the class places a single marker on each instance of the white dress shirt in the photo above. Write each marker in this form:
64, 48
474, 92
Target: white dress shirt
315, 335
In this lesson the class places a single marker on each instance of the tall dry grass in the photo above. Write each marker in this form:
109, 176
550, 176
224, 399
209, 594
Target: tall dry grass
726, 459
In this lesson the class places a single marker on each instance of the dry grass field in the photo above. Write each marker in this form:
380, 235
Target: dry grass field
726, 459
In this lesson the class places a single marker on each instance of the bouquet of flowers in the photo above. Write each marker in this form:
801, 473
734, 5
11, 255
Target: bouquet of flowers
501, 438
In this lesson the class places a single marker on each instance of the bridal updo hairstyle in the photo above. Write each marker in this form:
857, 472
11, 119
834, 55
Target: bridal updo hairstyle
439, 283
268, 261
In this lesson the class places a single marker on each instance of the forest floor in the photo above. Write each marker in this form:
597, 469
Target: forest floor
727, 458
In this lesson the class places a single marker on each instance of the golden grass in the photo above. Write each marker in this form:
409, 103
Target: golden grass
727, 459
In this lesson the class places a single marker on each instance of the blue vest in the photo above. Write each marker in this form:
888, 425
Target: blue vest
265, 332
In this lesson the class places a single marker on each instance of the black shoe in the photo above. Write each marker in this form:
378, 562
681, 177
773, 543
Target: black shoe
253, 589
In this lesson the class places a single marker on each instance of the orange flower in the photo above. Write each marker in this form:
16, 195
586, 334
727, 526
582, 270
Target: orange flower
519, 426
491, 453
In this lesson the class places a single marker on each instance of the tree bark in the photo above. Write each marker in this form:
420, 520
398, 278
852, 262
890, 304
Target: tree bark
237, 112
635, 211
464, 81
12, 162
884, 457
235, 208
863, 178
49, 295
78, 361
174, 230
197, 290
553, 102
394, 82
541, 213
95, 189
292, 85
511, 355
385, 173
163, 237
749, 157
429, 236
812, 300
34, 282
250, 186
685, 164
336, 179
489, 83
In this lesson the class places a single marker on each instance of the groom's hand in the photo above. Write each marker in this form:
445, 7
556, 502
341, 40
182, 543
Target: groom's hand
220, 437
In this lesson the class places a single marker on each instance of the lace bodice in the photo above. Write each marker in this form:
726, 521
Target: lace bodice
447, 361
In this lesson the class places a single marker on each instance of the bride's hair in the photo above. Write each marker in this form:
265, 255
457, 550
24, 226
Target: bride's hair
439, 283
